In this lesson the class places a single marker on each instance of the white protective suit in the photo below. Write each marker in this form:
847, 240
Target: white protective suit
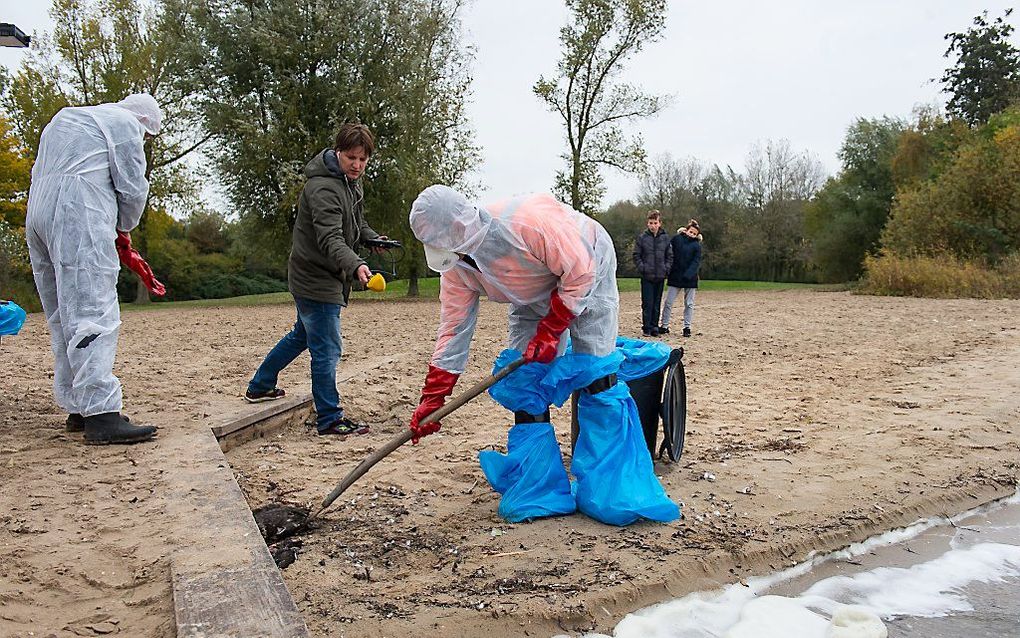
88, 182
524, 249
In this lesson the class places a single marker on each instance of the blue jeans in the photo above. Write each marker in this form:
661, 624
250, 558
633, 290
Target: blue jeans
318, 329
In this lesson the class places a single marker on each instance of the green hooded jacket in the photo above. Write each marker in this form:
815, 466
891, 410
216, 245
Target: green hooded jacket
329, 226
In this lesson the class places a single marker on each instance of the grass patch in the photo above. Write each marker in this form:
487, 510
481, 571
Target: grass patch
396, 290
633, 284
429, 289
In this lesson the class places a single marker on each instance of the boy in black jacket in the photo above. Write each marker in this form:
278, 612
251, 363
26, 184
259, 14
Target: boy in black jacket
653, 257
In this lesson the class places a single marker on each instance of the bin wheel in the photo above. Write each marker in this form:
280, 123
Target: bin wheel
674, 411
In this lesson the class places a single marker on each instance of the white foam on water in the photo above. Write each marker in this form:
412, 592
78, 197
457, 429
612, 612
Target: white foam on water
836, 607
927, 589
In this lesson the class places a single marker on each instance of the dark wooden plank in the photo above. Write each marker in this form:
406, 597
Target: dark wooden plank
265, 427
263, 412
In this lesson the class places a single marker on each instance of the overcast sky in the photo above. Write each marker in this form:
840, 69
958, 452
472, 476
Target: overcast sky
740, 71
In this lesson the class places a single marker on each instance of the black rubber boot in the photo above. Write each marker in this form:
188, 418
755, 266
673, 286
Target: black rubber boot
74, 423
111, 427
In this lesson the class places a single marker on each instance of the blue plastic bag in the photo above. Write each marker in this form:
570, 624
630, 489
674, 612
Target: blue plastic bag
12, 317
616, 483
536, 386
530, 476
641, 358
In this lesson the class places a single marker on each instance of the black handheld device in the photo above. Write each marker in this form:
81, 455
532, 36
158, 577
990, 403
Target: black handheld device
382, 243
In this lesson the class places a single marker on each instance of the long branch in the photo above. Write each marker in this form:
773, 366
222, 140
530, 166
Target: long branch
178, 156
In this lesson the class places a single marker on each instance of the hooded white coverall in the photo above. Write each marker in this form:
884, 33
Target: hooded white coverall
524, 248
88, 182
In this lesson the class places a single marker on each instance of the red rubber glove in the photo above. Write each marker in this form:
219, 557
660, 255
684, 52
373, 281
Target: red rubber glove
134, 261
543, 346
438, 385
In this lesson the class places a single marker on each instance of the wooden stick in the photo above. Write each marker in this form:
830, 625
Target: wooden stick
405, 435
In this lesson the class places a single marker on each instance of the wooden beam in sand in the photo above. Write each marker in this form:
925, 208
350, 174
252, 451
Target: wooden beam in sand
225, 582
270, 417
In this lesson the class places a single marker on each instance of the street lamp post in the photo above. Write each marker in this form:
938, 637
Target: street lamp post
12, 36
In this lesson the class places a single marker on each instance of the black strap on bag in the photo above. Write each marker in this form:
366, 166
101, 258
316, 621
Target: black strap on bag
601, 384
520, 416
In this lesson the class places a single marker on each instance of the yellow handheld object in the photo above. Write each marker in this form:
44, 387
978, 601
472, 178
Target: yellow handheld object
377, 283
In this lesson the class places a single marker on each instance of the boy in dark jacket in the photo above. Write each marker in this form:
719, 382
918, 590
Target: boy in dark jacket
323, 264
683, 275
653, 257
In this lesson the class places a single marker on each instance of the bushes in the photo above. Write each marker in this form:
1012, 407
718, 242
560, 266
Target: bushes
943, 276
224, 285
190, 274
16, 283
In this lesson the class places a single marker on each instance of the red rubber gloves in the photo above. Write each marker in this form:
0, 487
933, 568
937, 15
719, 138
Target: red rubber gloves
134, 261
438, 385
543, 346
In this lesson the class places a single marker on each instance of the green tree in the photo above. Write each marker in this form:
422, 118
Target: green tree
278, 78
624, 221
985, 77
101, 51
207, 231
971, 209
845, 219
15, 173
927, 146
589, 97
765, 236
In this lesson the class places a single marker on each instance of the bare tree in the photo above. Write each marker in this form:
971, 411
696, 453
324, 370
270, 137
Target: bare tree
674, 186
777, 184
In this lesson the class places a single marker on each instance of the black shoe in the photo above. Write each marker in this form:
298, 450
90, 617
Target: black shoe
111, 427
687, 332
646, 333
653, 332
74, 423
344, 426
663, 330
268, 395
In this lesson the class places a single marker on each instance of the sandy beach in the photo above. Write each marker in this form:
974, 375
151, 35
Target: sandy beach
815, 419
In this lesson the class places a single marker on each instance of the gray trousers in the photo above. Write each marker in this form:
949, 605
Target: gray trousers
667, 310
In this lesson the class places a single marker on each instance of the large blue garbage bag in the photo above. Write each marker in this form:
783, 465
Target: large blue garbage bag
616, 483
536, 386
641, 358
12, 317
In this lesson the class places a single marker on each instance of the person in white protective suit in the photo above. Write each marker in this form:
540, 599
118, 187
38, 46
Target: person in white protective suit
554, 266
88, 183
